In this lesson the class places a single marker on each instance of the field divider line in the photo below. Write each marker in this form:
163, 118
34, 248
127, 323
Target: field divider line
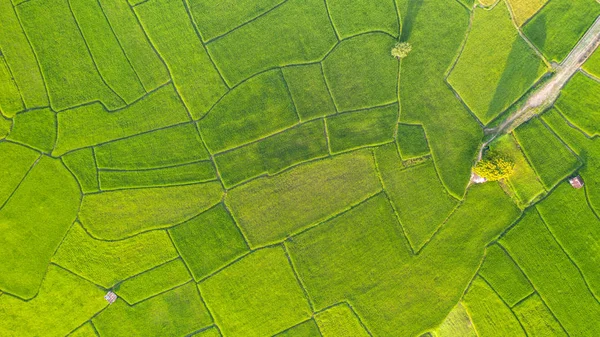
296, 325
590, 76
12, 79
360, 320
287, 88
236, 223
506, 304
21, 181
193, 333
525, 298
162, 292
335, 31
328, 87
326, 131
90, 319
161, 264
527, 160
297, 276
587, 199
212, 159
93, 327
79, 276
573, 126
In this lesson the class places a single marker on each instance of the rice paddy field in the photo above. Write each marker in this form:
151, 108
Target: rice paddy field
251, 168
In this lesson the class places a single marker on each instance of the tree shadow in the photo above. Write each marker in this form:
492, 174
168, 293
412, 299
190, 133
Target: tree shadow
411, 13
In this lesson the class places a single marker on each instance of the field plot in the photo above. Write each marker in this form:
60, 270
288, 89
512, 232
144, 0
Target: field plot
16, 163
340, 320
309, 91
592, 65
412, 141
536, 318
10, 97
304, 329
354, 17
580, 103
458, 323
83, 166
496, 66
35, 128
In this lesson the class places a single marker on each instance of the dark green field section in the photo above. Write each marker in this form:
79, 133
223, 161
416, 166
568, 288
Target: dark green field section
412, 141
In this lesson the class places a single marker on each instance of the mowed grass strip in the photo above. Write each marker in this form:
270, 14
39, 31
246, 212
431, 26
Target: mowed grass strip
16, 162
256, 108
355, 17
273, 154
256, 296
340, 320
52, 311
579, 101
361, 73
69, 71
489, 314
209, 241
171, 31
362, 128
117, 214
557, 27
551, 159
522, 10
309, 91
553, 274
34, 220
108, 262
35, 128
537, 319
178, 312
302, 196
412, 141
496, 66
92, 124
304, 34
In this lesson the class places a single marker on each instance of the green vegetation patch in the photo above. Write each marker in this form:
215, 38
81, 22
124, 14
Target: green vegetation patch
109, 262
557, 27
550, 158
274, 153
175, 313
309, 90
308, 328
592, 65
420, 199
412, 141
457, 323
496, 66
489, 314
256, 108
65, 301
352, 17
304, 34
504, 276
154, 281
69, 71
92, 124
10, 97
118, 214
257, 296
170, 28
579, 101
34, 220
554, 276
15, 164
83, 166
537, 319
209, 241
573, 137
302, 196
361, 128
340, 320
36, 128
361, 72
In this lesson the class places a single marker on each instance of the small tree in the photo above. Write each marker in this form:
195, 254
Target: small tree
494, 166
401, 50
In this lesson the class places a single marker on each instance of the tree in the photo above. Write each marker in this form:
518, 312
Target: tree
401, 50
494, 166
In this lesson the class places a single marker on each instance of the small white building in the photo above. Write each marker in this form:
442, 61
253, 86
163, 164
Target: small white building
477, 179
110, 297
576, 182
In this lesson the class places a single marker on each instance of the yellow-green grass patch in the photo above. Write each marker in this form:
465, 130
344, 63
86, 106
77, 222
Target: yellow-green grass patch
457, 323
522, 10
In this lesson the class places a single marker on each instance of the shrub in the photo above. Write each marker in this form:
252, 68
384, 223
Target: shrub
495, 166
401, 50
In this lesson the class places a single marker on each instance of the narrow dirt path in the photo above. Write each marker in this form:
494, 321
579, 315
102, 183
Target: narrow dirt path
544, 97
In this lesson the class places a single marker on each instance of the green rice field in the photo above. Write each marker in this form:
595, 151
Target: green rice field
297, 168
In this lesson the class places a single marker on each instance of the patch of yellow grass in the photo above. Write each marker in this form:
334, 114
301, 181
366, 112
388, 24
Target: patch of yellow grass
524, 9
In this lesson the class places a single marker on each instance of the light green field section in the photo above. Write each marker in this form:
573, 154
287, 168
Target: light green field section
362, 128
554, 276
257, 296
576, 228
592, 65
537, 319
92, 124
412, 141
154, 281
304, 34
169, 176
175, 313
309, 91
557, 27
109, 57
361, 73
256, 108
83, 166
64, 302
579, 101
452, 133
522, 10
302, 196
354, 17
304, 329
215, 18
573, 137
496, 66
504, 276
17, 160
86, 330
550, 158
108, 262
208, 241
490, 316
69, 71
420, 199
274, 153
148, 67
35, 219
21, 61
118, 214
340, 321
171, 30
10, 97
457, 323
35, 128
